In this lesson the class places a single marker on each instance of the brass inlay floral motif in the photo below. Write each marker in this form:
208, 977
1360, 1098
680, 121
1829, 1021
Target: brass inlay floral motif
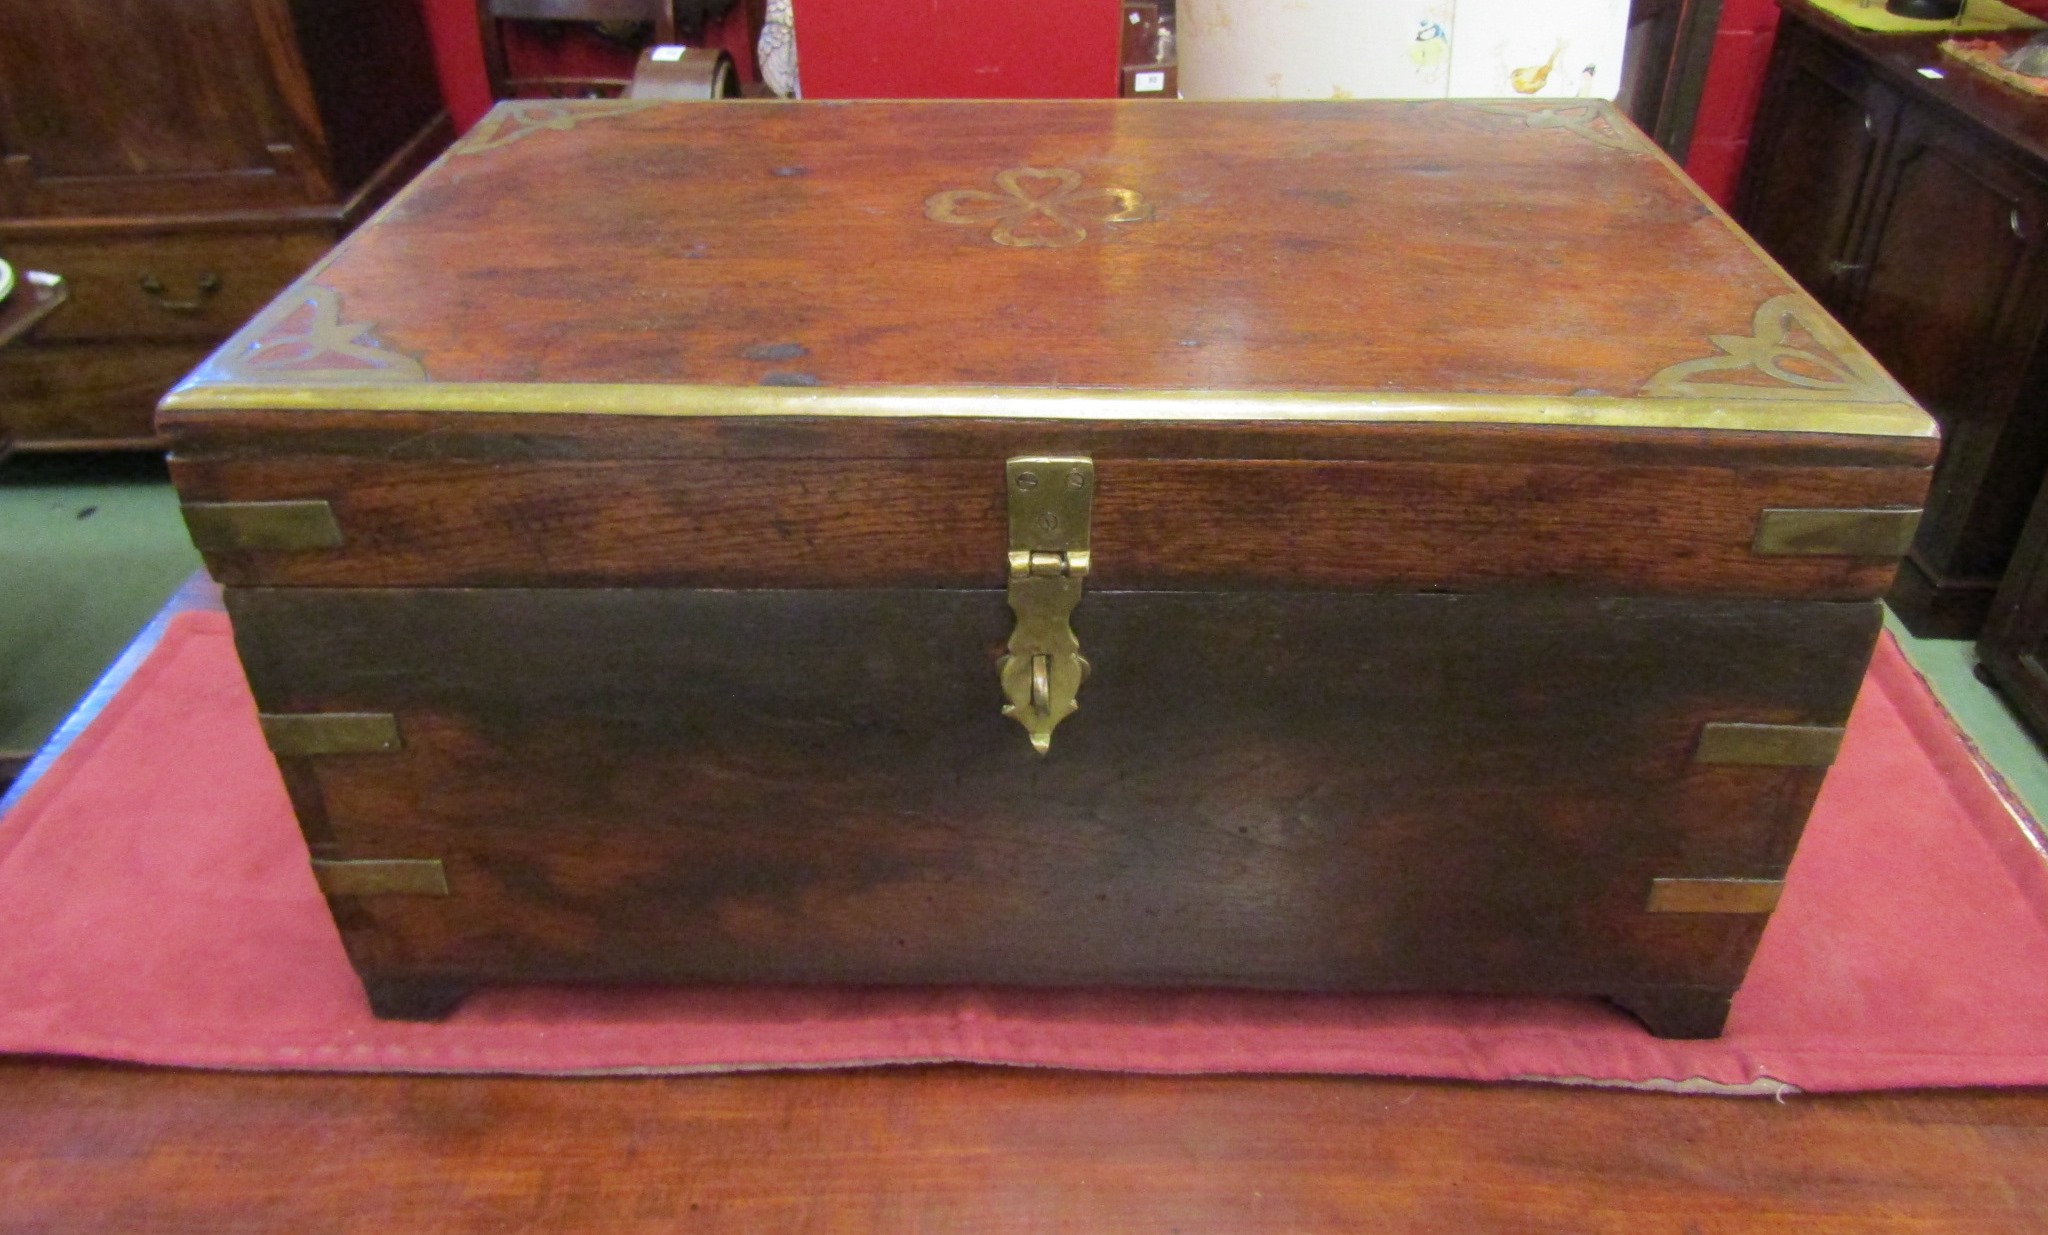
516, 121
1793, 352
1038, 208
301, 338
1591, 121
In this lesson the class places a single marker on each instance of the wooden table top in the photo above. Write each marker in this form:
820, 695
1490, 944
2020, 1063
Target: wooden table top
88, 1147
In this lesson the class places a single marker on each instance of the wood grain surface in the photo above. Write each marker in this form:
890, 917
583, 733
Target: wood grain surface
250, 435
1432, 246
91, 1149
1289, 790
1601, 527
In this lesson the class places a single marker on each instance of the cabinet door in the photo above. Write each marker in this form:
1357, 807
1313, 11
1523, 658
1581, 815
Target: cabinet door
151, 106
2014, 648
1821, 132
1950, 298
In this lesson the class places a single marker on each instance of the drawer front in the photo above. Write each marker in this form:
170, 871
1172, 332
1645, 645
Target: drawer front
1308, 791
89, 396
192, 285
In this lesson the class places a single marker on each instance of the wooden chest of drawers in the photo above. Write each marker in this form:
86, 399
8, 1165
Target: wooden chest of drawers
1305, 546
179, 162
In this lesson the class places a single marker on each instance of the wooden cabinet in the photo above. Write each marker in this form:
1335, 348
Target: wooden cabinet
1952, 293
180, 161
1844, 119
1916, 209
2013, 652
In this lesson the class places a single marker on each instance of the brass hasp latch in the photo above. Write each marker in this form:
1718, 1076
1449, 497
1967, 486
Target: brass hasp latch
1050, 503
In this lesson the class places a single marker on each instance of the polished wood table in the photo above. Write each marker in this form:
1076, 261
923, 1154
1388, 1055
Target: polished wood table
87, 1147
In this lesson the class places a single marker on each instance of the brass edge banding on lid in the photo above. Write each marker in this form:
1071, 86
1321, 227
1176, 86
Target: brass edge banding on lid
1043, 403
1714, 895
301, 734
381, 877
1783, 746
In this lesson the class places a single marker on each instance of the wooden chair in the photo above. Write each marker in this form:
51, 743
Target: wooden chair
669, 19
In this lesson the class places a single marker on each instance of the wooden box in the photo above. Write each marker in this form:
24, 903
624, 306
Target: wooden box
658, 541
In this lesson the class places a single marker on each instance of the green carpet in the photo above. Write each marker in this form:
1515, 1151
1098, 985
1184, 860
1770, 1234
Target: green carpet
90, 548
1950, 667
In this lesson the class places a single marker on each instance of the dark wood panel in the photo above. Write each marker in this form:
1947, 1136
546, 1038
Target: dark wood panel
1158, 523
88, 395
1954, 298
1820, 136
220, 437
369, 65
141, 104
1324, 791
2013, 649
93, 1148
881, 1152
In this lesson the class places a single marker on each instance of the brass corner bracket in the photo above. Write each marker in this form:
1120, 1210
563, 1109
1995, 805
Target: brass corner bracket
1051, 501
381, 876
1732, 896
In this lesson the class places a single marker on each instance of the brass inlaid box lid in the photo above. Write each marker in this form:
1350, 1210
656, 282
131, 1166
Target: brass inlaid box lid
1484, 262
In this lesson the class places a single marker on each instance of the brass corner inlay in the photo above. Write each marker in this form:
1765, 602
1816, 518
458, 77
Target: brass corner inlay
235, 527
1793, 351
1051, 504
1593, 121
331, 733
516, 121
381, 877
302, 339
1714, 895
1038, 208
1835, 533
1789, 746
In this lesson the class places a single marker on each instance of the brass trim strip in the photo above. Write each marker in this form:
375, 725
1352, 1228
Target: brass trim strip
1714, 895
381, 877
330, 733
233, 527
1862, 419
1785, 746
1835, 533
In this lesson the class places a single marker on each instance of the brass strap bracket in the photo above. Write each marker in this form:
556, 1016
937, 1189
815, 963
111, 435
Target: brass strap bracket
1051, 500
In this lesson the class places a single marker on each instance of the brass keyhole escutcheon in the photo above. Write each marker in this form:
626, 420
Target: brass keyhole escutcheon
1050, 501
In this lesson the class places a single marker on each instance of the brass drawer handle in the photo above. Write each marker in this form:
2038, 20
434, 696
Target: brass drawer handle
153, 287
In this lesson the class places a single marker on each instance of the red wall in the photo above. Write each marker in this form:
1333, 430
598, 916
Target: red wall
1735, 83
965, 49
459, 56
973, 49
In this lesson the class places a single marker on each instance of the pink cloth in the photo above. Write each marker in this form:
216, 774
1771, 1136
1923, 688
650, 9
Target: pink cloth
156, 906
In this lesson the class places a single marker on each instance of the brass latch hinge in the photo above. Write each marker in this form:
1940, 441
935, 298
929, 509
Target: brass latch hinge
1050, 503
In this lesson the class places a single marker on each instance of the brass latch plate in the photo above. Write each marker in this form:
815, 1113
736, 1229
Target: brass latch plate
1051, 500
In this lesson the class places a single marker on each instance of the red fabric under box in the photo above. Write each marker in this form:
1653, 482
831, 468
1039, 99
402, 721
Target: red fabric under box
156, 906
